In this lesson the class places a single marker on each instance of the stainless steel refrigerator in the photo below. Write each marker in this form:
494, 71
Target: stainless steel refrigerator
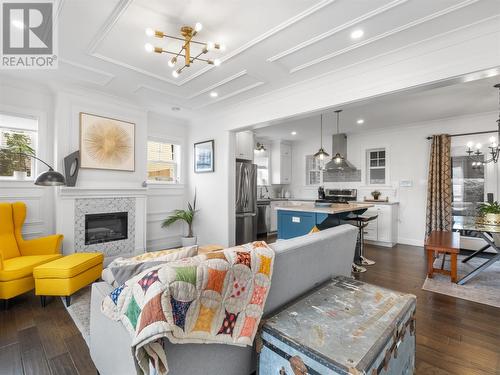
246, 202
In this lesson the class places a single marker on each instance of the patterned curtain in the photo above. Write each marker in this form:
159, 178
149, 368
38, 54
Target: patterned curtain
439, 185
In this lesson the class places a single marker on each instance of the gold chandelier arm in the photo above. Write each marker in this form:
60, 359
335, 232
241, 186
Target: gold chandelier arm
163, 35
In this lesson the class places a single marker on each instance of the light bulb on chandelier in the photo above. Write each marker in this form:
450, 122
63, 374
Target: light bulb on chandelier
185, 53
494, 148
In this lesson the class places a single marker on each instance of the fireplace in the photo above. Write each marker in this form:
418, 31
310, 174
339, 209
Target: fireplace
106, 227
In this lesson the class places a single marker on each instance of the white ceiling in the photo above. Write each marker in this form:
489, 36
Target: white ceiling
398, 109
270, 44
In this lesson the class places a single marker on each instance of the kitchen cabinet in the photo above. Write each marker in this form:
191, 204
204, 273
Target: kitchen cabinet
384, 230
244, 145
281, 161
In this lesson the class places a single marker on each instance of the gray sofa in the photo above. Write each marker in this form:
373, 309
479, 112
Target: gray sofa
300, 264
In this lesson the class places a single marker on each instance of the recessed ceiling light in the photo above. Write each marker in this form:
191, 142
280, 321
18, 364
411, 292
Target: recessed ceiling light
293, 133
213, 94
360, 121
356, 34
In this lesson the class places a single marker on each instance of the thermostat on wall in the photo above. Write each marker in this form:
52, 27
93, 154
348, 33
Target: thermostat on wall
406, 183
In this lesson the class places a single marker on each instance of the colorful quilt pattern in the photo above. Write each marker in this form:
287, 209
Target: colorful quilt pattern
216, 297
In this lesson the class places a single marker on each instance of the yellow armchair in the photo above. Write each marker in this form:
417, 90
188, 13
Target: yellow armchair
18, 256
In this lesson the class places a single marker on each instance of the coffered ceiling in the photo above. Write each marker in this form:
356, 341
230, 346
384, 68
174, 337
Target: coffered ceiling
270, 44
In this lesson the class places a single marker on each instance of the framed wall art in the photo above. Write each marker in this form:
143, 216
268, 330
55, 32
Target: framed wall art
106, 143
204, 157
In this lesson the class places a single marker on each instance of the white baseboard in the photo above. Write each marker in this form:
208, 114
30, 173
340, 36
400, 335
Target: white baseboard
411, 241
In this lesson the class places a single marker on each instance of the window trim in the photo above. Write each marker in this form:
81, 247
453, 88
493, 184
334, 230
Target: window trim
320, 171
180, 167
387, 150
41, 140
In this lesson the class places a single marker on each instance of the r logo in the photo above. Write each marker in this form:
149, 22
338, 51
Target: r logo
27, 28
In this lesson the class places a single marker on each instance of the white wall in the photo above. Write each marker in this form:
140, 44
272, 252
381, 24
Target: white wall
162, 198
408, 157
58, 112
443, 57
26, 100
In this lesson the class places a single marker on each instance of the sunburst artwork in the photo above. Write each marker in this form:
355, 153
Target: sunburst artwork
106, 143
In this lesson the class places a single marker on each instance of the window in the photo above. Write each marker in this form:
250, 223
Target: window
17, 134
261, 159
468, 185
163, 161
376, 166
313, 170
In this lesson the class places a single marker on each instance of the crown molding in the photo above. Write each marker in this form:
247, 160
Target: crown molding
218, 84
234, 93
396, 30
108, 76
337, 29
113, 18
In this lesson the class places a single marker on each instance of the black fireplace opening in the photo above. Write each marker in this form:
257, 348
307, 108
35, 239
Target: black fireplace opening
108, 227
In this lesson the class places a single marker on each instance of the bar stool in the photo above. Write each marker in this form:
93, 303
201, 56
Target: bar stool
361, 221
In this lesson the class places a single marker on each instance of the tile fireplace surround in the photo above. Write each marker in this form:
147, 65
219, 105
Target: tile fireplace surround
74, 203
84, 206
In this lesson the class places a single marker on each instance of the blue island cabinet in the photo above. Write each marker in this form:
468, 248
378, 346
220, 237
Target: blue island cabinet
297, 223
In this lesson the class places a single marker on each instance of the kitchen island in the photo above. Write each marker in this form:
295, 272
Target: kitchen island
298, 219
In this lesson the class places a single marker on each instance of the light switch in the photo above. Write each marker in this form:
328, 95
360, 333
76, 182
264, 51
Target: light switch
406, 183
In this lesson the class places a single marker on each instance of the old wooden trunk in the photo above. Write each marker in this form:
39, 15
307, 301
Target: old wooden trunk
345, 327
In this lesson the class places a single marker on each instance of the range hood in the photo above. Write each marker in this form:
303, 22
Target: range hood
339, 160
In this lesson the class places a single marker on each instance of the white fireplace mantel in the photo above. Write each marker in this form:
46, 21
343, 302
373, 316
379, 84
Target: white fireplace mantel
79, 192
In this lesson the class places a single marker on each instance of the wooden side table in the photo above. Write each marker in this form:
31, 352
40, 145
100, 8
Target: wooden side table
442, 242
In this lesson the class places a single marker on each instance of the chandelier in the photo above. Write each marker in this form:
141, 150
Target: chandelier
474, 150
184, 58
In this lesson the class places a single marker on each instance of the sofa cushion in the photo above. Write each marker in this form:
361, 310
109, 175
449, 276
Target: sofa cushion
68, 266
123, 269
19, 267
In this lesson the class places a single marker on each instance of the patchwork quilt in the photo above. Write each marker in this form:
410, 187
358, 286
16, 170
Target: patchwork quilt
123, 269
216, 297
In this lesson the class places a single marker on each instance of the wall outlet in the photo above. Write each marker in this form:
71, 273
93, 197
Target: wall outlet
406, 183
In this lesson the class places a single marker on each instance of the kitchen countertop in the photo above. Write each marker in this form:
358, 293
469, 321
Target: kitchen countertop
381, 202
335, 208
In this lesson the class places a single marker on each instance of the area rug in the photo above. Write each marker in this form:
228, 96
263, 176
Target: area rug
79, 310
484, 288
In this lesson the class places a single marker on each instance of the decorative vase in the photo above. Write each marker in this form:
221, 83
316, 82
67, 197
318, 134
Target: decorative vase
188, 241
20, 175
488, 219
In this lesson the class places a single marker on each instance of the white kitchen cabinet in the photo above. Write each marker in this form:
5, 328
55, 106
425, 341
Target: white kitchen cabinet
281, 161
382, 231
244, 145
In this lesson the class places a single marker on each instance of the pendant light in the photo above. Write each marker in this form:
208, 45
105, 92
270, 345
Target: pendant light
321, 154
337, 159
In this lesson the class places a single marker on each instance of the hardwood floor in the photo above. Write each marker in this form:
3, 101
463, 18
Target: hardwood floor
41, 341
453, 336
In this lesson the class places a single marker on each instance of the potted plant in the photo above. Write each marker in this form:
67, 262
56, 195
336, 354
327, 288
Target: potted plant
376, 194
20, 144
489, 213
187, 216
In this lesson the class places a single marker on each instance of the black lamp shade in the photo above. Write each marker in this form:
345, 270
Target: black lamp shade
50, 178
